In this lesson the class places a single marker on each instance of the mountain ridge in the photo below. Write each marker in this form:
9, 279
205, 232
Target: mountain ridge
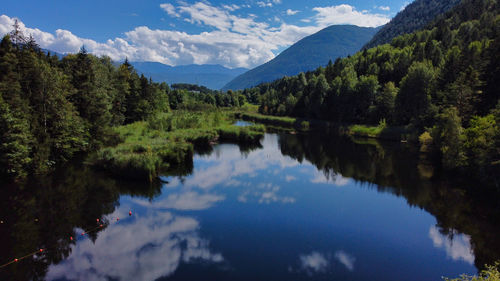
307, 54
212, 76
415, 16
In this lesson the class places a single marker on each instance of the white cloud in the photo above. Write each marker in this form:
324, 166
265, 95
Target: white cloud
170, 9
147, 248
457, 246
404, 5
384, 8
314, 261
345, 259
264, 4
232, 7
290, 178
336, 179
186, 201
291, 12
232, 40
346, 14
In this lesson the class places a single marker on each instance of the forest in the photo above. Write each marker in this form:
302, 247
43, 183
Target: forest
52, 109
440, 83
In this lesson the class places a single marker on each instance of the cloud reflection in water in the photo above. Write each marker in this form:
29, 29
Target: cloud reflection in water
457, 246
314, 261
185, 201
144, 249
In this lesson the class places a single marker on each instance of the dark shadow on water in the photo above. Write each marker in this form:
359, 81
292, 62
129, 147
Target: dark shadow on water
45, 211
458, 202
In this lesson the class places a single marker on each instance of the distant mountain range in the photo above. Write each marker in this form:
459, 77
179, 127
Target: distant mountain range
415, 16
307, 54
212, 76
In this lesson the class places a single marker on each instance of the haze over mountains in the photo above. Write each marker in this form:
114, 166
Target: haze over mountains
213, 76
307, 54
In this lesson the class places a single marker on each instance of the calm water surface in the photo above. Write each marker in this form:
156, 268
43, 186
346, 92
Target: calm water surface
300, 207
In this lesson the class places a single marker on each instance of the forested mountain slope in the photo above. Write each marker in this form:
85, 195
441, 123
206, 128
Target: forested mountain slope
307, 54
415, 16
441, 81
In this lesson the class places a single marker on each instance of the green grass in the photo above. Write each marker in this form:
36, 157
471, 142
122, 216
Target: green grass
365, 131
280, 121
379, 132
167, 141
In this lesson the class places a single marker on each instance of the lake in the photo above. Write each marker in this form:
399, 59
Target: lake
297, 207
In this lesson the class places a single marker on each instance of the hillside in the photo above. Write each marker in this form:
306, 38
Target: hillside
212, 76
307, 54
415, 16
440, 83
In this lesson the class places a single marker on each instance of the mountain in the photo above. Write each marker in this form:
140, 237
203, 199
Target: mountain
415, 16
59, 55
307, 54
212, 76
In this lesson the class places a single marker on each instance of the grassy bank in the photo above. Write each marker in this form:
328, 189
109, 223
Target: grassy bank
379, 132
280, 121
167, 141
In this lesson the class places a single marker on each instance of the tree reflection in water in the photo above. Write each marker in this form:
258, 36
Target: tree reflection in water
46, 211
460, 204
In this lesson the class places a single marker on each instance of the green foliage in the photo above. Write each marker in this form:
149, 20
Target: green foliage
411, 82
426, 141
491, 273
307, 54
167, 140
15, 146
415, 16
448, 134
414, 98
481, 140
53, 109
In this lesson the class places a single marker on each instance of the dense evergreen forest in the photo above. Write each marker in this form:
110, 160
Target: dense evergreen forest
415, 16
53, 109
440, 83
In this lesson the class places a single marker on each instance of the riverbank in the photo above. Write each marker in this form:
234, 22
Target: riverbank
381, 131
168, 141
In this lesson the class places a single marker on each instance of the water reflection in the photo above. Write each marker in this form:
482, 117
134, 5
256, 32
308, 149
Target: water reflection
147, 248
314, 261
251, 213
185, 201
457, 246
460, 204
345, 259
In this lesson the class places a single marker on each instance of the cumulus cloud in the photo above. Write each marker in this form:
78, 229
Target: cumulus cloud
264, 4
232, 40
232, 7
186, 201
170, 9
345, 259
384, 8
291, 12
336, 179
147, 248
457, 247
314, 261
347, 14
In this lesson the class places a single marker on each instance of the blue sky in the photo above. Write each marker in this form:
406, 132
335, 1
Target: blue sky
242, 33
